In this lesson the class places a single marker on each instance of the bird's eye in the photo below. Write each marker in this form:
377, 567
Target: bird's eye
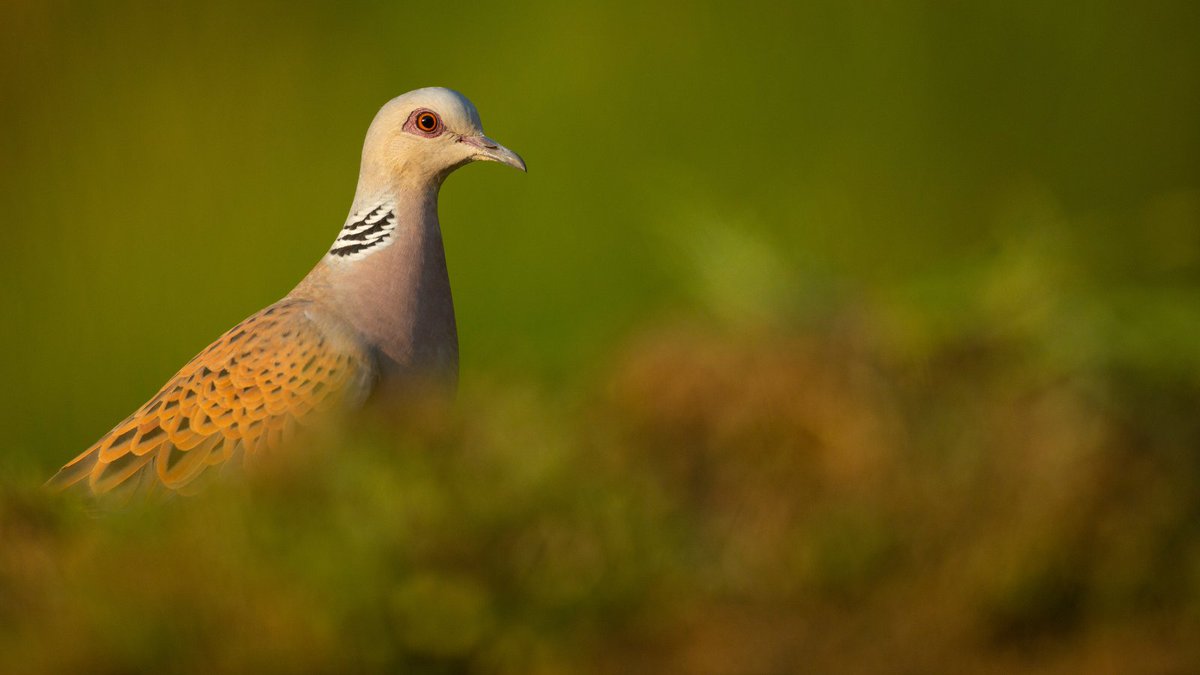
424, 122
427, 122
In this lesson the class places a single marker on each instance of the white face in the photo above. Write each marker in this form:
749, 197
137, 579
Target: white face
431, 132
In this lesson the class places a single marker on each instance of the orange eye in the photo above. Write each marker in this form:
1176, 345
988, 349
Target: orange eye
427, 122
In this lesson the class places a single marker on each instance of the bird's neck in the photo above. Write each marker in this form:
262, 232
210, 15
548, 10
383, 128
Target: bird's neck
386, 276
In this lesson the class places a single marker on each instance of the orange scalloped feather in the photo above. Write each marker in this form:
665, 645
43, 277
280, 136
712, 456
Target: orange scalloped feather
242, 395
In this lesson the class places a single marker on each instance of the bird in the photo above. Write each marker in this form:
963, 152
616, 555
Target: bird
374, 316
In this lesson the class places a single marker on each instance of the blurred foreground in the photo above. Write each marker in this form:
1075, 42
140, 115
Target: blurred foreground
809, 499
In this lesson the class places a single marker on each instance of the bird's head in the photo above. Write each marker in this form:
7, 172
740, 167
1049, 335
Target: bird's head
427, 133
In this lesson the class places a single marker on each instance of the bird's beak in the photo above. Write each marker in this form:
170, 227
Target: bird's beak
489, 150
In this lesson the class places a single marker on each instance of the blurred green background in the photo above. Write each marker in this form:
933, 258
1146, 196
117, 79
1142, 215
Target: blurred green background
821, 336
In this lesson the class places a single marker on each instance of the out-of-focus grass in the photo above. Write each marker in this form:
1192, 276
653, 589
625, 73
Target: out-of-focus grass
820, 338
735, 500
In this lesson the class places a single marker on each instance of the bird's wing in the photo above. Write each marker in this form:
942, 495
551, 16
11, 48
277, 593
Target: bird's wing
241, 395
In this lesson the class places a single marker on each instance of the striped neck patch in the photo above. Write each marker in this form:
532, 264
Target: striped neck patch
364, 233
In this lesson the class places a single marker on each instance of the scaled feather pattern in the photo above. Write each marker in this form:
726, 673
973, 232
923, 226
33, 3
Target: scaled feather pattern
242, 395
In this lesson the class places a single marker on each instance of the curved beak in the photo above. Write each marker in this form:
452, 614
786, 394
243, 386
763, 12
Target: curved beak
491, 151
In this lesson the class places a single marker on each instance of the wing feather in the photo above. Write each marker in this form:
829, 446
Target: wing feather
242, 395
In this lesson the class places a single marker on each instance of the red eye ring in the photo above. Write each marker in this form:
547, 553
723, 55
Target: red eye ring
424, 122
428, 122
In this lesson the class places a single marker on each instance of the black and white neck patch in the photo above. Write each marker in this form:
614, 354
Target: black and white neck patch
365, 233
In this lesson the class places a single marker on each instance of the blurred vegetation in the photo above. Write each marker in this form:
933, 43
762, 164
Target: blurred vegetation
821, 337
